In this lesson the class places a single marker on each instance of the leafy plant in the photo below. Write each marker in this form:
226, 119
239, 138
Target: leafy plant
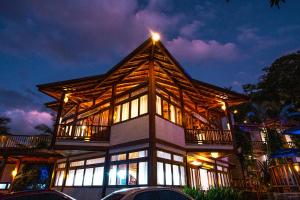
216, 193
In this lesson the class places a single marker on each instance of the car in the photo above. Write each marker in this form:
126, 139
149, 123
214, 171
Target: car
148, 193
37, 195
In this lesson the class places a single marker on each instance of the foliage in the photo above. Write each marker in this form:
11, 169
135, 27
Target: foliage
273, 3
242, 140
213, 193
31, 177
44, 129
274, 140
4, 130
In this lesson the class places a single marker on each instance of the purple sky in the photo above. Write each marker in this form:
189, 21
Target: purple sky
226, 44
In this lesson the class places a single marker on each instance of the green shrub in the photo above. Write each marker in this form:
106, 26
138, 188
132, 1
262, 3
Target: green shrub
213, 194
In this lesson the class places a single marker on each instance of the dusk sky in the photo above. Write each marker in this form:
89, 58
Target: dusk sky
222, 43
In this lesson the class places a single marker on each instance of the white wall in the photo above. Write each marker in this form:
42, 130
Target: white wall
135, 129
169, 132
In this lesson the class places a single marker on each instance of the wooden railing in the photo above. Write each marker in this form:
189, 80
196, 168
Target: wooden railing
259, 146
199, 136
24, 141
82, 132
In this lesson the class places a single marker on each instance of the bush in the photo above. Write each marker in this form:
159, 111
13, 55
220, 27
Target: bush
213, 194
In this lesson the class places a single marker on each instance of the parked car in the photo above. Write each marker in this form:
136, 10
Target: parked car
147, 193
37, 195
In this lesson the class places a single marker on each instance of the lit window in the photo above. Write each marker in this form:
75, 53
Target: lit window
178, 116
61, 178
160, 173
143, 173
176, 177
165, 155
165, 110
98, 176
132, 174
182, 175
204, 179
77, 163
158, 105
61, 165
172, 113
168, 174
112, 175
121, 174
78, 177
177, 158
134, 108
125, 111
88, 176
138, 154
143, 104
117, 113
70, 178
95, 161
118, 157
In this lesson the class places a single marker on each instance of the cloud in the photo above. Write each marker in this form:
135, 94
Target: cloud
190, 29
199, 50
23, 122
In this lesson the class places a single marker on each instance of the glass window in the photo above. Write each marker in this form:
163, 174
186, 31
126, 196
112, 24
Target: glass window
118, 157
61, 178
137, 154
164, 155
70, 177
112, 175
117, 113
57, 178
95, 161
158, 105
88, 176
176, 177
121, 175
168, 174
178, 158
78, 177
172, 113
165, 110
204, 179
160, 173
143, 104
134, 108
182, 175
143, 173
125, 111
77, 163
98, 176
132, 179
61, 165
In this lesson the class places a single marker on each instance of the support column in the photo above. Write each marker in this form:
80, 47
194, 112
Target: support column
152, 168
2, 165
66, 174
60, 108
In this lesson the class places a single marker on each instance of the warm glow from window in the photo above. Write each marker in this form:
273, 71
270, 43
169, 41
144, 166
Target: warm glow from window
66, 99
214, 154
223, 106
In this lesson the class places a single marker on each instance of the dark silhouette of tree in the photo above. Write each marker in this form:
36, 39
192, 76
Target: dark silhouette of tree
43, 128
4, 130
273, 3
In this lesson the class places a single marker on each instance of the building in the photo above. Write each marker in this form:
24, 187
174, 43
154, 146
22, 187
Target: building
144, 122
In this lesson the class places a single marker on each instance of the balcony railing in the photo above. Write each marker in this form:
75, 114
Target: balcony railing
259, 146
199, 136
24, 141
82, 132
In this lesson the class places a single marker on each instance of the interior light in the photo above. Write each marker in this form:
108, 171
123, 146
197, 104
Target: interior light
235, 111
196, 163
14, 172
66, 99
223, 106
214, 154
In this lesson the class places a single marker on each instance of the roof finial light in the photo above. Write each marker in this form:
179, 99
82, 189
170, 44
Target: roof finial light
155, 36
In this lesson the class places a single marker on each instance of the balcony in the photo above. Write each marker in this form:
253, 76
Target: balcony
24, 141
83, 133
211, 136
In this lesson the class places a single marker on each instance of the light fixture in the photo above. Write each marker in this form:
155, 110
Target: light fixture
196, 163
214, 154
235, 111
66, 99
83, 127
223, 106
297, 168
155, 36
14, 172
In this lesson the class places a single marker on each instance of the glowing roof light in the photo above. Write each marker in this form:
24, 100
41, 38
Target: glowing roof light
214, 154
155, 36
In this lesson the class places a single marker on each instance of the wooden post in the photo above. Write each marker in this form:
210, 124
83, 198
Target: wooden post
56, 127
2, 165
152, 174
66, 174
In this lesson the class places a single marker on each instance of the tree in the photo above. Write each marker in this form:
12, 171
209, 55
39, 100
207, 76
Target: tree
44, 129
273, 3
4, 130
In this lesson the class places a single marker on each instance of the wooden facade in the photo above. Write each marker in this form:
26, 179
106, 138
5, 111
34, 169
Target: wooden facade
148, 102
